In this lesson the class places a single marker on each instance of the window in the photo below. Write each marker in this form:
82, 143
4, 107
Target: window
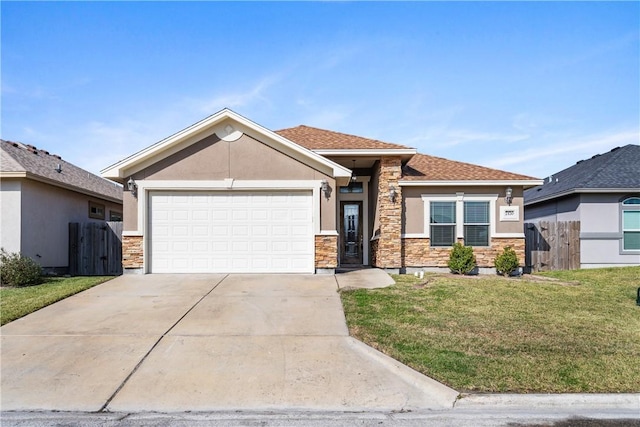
353, 187
631, 224
454, 217
96, 210
476, 223
442, 223
115, 216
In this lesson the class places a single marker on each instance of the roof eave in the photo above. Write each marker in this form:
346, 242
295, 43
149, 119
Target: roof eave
580, 191
45, 180
526, 183
404, 153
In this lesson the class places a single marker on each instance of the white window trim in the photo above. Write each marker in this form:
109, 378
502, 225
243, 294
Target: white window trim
627, 208
460, 198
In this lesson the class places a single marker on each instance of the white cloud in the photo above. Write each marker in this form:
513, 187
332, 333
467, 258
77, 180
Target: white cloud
254, 95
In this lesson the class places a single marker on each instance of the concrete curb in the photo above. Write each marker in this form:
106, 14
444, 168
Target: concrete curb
445, 396
627, 401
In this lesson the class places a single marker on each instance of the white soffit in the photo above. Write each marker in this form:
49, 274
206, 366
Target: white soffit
228, 126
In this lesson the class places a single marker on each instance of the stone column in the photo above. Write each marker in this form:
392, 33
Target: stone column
389, 245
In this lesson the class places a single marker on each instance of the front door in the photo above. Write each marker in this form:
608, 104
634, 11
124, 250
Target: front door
351, 232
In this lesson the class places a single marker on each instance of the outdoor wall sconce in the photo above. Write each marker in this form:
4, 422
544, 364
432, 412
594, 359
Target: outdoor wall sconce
392, 194
132, 186
508, 196
325, 188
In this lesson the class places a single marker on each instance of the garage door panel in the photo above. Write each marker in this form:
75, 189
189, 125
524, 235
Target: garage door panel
231, 232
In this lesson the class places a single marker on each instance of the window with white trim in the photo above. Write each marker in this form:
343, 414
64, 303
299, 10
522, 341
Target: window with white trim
449, 217
442, 223
476, 223
631, 224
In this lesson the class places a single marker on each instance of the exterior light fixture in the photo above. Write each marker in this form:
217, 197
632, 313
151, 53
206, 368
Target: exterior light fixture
324, 186
392, 194
132, 186
508, 196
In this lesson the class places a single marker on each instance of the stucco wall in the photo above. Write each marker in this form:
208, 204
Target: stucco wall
10, 206
243, 159
46, 214
565, 209
414, 206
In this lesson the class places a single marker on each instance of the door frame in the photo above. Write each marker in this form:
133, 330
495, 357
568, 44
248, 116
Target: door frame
366, 227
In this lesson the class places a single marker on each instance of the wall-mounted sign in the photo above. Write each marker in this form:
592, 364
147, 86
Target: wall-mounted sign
509, 213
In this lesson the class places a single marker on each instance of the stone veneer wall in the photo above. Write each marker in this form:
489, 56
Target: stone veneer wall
416, 252
132, 252
386, 250
326, 251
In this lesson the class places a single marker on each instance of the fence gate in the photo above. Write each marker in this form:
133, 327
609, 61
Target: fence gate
552, 245
95, 248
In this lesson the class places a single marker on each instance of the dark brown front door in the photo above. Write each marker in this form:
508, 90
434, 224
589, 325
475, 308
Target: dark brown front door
351, 232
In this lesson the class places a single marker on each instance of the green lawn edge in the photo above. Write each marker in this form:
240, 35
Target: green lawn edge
18, 302
575, 331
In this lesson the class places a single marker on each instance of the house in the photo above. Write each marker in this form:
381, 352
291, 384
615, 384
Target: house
228, 195
40, 195
603, 193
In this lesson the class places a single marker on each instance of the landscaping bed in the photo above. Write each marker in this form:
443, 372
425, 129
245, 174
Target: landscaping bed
575, 331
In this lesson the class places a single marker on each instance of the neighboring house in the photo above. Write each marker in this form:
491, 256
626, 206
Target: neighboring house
41, 194
228, 195
603, 193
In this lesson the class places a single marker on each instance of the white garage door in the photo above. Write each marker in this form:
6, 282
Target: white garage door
231, 232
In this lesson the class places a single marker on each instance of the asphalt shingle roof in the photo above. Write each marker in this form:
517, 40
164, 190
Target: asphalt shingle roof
619, 168
18, 157
422, 167
321, 139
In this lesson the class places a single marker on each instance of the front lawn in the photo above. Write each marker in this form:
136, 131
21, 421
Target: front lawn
491, 334
18, 302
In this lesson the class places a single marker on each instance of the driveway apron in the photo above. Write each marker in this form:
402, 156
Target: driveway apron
172, 343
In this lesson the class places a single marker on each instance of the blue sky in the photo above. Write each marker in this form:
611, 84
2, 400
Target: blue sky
528, 87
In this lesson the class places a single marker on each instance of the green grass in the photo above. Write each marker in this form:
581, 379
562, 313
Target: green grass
18, 302
490, 334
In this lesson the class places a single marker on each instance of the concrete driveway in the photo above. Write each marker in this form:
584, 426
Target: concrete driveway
173, 343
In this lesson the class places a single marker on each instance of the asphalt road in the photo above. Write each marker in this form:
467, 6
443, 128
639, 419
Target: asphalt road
457, 418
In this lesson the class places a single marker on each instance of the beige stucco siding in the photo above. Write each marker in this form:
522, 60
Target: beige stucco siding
414, 206
244, 159
46, 214
10, 206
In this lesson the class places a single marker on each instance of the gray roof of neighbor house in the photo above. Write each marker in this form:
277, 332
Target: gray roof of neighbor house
21, 160
617, 170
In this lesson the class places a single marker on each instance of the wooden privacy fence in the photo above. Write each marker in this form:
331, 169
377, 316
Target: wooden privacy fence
95, 248
552, 245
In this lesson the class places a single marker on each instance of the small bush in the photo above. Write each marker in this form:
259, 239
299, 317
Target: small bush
18, 270
507, 262
461, 259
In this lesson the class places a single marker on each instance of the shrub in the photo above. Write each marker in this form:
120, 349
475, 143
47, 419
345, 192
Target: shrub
18, 270
507, 262
461, 259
